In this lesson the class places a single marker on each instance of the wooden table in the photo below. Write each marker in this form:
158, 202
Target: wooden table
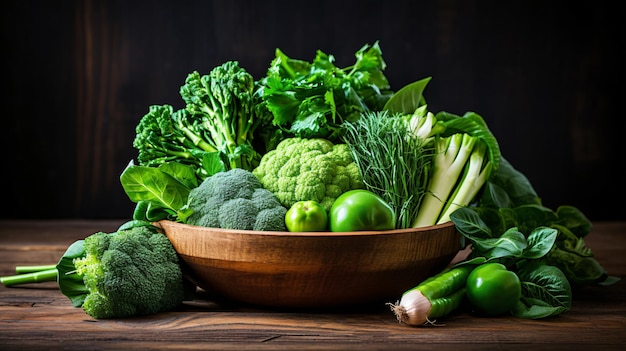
39, 317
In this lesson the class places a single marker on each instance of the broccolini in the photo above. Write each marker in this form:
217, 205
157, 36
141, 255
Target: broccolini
220, 117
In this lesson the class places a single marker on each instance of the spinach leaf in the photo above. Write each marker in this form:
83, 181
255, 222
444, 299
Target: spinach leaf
545, 292
157, 191
540, 242
510, 243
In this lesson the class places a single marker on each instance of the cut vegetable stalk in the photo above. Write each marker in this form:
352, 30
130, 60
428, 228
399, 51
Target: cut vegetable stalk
48, 275
451, 155
475, 174
435, 297
31, 269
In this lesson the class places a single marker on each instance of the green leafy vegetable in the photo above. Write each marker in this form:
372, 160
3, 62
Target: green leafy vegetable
409, 98
545, 292
313, 99
159, 192
546, 248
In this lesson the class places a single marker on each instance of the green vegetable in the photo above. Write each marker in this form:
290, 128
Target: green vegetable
222, 105
159, 192
301, 169
70, 283
235, 199
465, 153
306, 216
361, 210
217, 124
164, 135
32, 269
393, 162
493, 289
464, 157
545, 248
435, 297
131, 272
313, 99
510, 201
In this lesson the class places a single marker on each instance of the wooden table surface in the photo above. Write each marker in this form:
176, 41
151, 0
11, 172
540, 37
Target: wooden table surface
39, 317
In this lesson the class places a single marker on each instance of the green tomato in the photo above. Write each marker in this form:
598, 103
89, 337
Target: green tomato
492, 289
306, 216
360, 210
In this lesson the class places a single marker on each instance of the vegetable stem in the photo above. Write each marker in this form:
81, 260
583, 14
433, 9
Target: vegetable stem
48, 275
31, 269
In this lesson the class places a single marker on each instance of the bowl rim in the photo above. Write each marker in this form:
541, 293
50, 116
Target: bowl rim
168, 223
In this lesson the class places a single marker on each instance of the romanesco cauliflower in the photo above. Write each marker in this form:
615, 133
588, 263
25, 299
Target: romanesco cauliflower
308, 169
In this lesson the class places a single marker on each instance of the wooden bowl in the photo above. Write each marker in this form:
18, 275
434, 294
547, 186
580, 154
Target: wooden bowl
311, 269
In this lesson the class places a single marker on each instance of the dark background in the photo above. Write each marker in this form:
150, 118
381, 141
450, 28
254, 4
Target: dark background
547, 76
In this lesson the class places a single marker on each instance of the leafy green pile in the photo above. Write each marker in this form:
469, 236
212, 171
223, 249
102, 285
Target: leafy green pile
432, 168
546, 248
313, 99
230, 121
468, 181
425, 165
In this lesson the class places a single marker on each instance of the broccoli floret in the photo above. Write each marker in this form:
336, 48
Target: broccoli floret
164, 135
235, 199
302, 169
129, 273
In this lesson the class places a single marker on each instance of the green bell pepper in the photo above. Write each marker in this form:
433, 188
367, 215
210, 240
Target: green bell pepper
360, 210
493, 289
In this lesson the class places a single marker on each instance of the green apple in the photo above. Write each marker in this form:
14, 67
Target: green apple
306, 216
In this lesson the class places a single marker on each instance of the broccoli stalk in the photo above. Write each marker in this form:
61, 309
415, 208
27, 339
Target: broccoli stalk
34, 274
31, 269
450, 156
131, 272
64, 273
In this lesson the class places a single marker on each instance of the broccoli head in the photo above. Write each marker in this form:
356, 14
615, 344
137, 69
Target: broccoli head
302, 169
235, 199
130, 272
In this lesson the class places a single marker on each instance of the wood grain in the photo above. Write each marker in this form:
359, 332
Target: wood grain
312, 270
38, 316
